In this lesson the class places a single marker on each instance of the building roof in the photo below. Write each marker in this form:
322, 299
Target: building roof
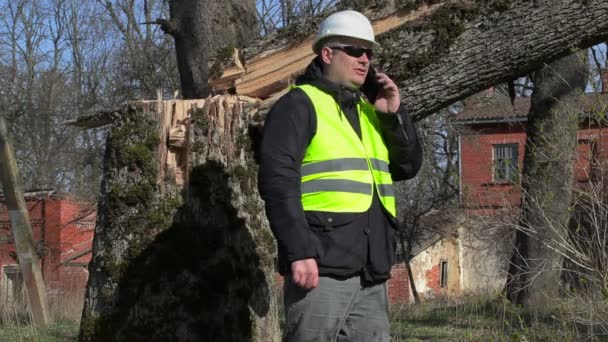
35, 194
487, 107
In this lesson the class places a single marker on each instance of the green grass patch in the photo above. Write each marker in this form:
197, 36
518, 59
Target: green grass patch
55, 332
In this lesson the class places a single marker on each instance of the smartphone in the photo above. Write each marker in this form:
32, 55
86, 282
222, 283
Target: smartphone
370, 86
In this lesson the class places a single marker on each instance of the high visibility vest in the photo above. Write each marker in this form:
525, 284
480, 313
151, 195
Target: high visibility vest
339, 169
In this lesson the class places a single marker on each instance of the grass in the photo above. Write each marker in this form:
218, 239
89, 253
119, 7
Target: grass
65, 310
54, 332
468, 319
482, 319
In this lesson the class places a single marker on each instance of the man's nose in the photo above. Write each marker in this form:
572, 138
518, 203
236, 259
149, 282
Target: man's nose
364, 58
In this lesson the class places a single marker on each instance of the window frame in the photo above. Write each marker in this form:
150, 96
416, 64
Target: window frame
443, 273
511, 170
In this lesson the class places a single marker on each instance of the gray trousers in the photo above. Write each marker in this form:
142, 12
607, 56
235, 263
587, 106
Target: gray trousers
336, 311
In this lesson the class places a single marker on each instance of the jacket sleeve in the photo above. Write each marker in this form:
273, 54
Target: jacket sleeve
288, 129
401, 136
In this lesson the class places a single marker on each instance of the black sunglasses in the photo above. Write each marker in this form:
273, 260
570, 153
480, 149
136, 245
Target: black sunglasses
354, 51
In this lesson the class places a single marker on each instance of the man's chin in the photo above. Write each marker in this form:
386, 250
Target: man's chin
354, 85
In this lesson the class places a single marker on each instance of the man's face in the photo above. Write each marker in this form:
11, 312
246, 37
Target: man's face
342, 68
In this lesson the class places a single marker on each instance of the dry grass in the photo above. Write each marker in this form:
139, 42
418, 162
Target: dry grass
470, 319
67, 307
484, 319
65, 311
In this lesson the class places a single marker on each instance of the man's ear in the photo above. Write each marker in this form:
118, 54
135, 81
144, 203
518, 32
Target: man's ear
326, 55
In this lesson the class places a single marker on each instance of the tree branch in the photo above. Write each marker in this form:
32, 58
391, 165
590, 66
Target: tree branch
168, 26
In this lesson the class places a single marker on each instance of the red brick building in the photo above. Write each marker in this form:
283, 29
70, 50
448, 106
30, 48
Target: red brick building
467, 259
435, 262
492, 149
63, 231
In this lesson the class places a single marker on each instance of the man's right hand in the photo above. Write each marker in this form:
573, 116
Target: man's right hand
305, 273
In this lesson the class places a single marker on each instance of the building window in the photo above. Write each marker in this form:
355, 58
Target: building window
443, 275
505, 163
12, 289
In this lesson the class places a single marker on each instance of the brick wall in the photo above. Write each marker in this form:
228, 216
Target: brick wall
63, 236
426, 268
78, 226
482, 194
52, 240
398, 285
76, 240
479, 190
73, 278
7, 248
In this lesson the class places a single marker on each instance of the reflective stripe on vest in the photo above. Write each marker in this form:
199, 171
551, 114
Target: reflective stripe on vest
340, 169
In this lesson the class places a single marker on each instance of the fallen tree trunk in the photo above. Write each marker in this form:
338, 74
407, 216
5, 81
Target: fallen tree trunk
441, 51
190, 263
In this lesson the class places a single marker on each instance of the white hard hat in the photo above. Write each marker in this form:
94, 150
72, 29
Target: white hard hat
347, 24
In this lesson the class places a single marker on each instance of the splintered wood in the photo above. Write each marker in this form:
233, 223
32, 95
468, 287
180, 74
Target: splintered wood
271, 71
220, 119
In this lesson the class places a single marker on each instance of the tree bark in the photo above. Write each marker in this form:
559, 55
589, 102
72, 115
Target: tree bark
410, 274
181, 265
462, 47
201, 29
466, 48
534, 274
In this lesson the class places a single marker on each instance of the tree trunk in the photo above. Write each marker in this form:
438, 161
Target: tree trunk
546, 181
173, 265
466, 48
454, 49
202, 29
410, 275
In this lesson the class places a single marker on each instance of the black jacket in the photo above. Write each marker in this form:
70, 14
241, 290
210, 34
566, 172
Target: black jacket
344, 244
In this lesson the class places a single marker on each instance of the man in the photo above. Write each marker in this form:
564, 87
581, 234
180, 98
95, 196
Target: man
330, 150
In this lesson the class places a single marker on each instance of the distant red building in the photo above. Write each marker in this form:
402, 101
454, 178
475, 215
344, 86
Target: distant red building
492, 149
63, 231
464, 259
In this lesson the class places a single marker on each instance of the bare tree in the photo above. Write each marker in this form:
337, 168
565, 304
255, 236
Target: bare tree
276, 14
64, 58
599, 61
434, 188
144, 57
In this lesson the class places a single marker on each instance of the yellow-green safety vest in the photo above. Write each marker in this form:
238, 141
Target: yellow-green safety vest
339, 170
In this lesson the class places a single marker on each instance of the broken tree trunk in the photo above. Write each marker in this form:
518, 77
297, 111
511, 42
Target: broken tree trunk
29, 261
191, 262
441, 51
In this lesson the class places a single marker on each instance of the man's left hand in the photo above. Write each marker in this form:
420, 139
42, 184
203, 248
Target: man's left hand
388, 98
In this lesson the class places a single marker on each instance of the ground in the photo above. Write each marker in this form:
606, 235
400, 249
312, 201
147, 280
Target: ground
56, 332
472, 319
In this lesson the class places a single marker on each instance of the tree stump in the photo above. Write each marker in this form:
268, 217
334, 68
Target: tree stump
182, 249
